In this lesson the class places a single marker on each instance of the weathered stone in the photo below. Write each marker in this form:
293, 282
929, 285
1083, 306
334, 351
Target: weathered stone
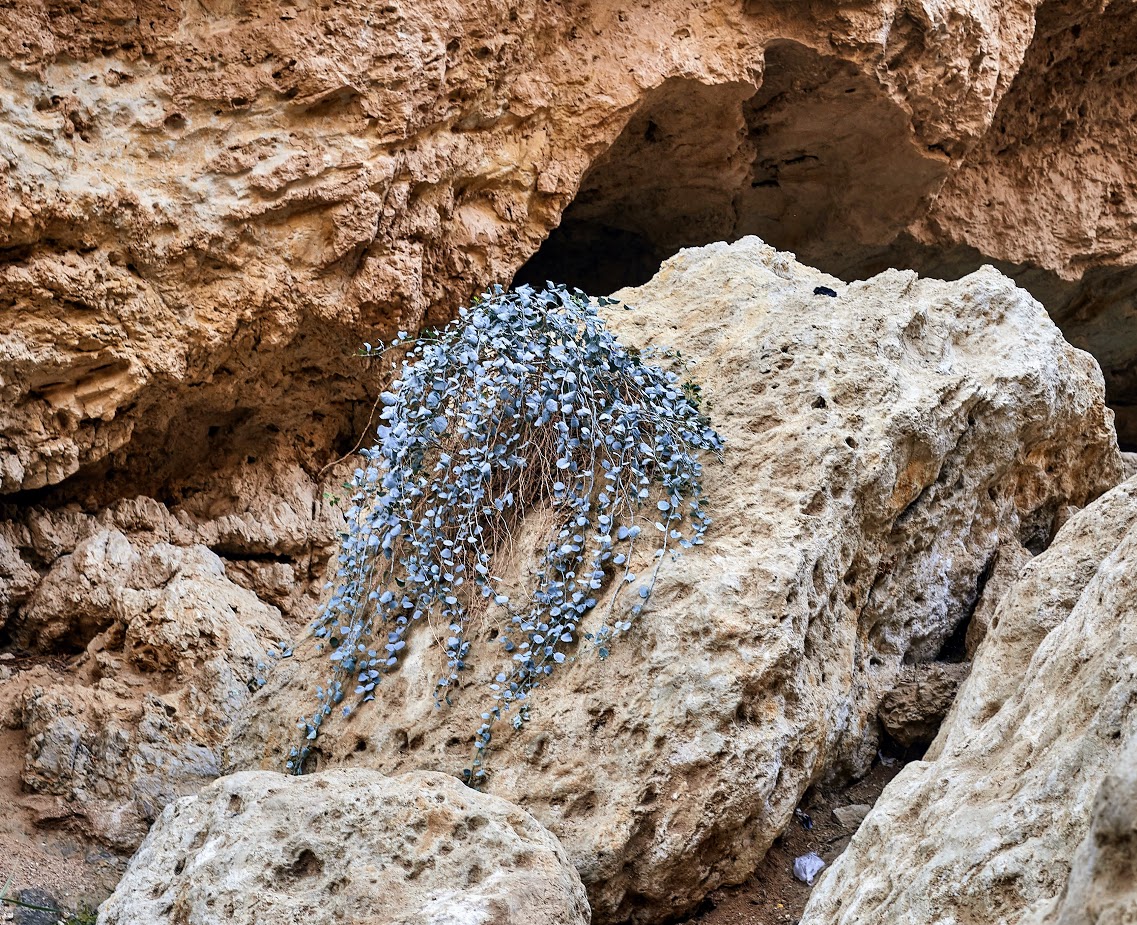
205, 213
880, 448
1067, 117
852, 815
1102, 887
170, 652
270, 522
1129, 464
17, 579
1034, 760
261, 848
912, 711
78, 597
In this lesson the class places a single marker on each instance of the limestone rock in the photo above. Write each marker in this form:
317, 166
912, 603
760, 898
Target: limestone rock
1024, 811
261, 848
78, 596
205, 213
1102, 887
152, 622
1069, 240
852, 815
881, 447
172, 650
270, 522
1129, 464
912, 711
17, 579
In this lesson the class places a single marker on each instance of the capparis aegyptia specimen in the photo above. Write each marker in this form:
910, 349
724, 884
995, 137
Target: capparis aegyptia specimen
524, 401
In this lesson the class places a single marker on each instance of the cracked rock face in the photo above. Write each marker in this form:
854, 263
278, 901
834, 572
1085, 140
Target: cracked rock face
882, 446
1024, 811
136, 629
176, 652
421, 849
204, 213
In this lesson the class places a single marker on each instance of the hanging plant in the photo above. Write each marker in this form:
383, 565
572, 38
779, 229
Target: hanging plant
525, 401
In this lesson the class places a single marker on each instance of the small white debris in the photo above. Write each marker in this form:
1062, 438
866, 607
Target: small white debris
807, 867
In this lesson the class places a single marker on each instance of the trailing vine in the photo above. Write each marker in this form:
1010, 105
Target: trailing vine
525, 401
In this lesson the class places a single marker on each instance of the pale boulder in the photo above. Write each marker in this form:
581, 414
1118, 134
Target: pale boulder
1024, 811
882, 445
347, 845
1102, 887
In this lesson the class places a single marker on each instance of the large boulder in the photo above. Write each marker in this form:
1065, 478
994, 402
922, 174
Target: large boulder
1025, 809
261, 848
1102, 886
883, 445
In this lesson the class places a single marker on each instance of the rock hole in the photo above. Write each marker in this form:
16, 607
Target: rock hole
699, 163
306, 866
816, 504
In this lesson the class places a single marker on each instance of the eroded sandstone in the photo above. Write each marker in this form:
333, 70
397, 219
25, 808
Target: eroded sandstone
205, 213
1023, 810
347, 845
879, 454
137, 719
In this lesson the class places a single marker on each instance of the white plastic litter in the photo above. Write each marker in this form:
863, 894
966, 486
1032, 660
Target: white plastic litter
807, 867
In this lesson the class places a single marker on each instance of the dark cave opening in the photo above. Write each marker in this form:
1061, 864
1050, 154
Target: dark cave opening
819, 161
592, 256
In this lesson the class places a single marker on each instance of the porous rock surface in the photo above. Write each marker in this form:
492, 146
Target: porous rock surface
1068, 238
1102, 886
141, 652
1025, 810
206, 209
140, 628
882, 446
911, 713
348, 845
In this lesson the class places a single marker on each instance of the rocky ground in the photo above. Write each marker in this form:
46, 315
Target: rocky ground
773, 895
